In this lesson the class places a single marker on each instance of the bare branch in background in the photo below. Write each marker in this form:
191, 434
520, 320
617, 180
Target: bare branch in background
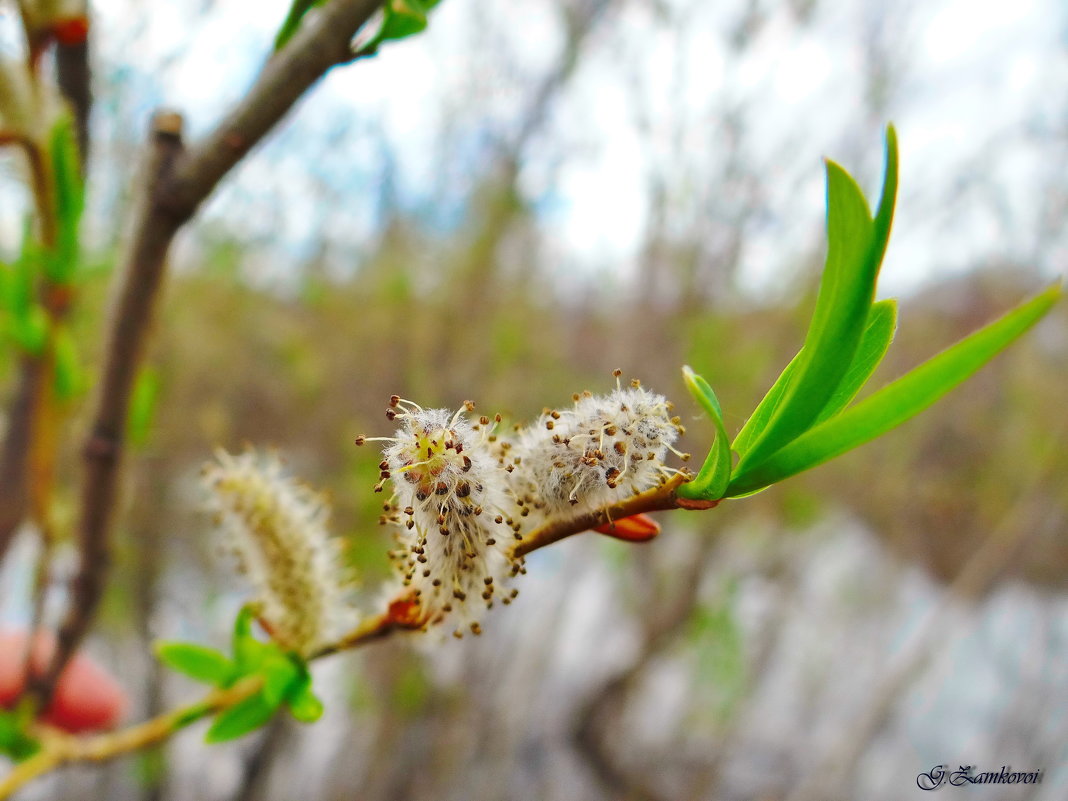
75, 82
988, 564
594, 719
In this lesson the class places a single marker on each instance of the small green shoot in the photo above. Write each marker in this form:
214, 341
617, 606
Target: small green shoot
806, 418
712, 481
284, 676
898, 401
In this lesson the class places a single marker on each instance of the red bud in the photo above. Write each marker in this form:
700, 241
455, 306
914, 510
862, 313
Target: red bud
636, 528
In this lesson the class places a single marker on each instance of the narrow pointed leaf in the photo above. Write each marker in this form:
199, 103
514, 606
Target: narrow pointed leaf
854, 254
878, 334
249, 653
196, 661
240, 719
898, 401
758, 420
711, 482
62, 261
884, 215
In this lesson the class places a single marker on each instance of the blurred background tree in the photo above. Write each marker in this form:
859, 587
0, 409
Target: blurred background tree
530, 195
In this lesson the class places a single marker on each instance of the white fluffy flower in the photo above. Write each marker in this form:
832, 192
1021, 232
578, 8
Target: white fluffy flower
446, 508
602, 450
278, 533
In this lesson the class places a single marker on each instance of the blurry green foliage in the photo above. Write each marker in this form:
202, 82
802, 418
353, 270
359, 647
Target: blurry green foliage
15, 741
803, 420
284, 676
62, 262
717, 639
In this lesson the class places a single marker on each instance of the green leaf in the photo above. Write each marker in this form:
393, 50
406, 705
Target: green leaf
304, 705
291, 25
898, 401
403, 18
240, 719
758, 420
60, 265
19, 280
884, 216
249, 653
30, 330
878, 334
711, 482
280, 675
197, 661
14, 740
69, 376
856, 245
143, 401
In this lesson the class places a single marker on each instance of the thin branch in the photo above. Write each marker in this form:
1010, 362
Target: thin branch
28, 409
129, 325
60, 749
654, 500
63, 749
177, 182
74, 79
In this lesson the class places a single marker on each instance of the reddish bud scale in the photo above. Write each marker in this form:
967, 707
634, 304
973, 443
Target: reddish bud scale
636, 528
71, 31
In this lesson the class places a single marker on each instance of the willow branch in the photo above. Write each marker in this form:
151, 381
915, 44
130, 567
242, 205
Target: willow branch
657, 499
178, 181
74, 79
140, 282
25, 419
62, 749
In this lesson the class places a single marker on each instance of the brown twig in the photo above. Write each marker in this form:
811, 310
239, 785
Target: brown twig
61, 749
74, 79
176, 183
653, 500
26, 419
141, 279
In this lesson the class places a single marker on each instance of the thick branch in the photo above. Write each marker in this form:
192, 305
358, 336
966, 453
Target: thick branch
323, 41
178, 183
141, 279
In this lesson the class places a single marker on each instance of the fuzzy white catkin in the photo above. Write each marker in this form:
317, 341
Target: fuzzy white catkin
462, 497
452, 549
601, 451
277, 531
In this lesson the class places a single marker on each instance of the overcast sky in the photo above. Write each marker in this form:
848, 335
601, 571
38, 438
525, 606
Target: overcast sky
976, 92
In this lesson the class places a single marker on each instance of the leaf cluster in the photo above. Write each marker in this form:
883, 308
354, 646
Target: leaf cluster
284, 677
807, 417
